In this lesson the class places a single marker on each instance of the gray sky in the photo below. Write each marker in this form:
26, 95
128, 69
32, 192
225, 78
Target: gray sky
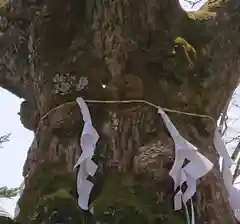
13, 155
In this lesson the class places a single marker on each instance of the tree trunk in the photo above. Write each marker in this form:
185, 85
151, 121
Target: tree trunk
54, 51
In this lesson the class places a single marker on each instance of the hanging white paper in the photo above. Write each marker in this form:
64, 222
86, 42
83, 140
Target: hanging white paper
227, 176
227, 162
221, 149
21, 188
4, 213
89, 138
197, 167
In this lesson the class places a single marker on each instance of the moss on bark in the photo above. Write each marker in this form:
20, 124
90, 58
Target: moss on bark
125, 199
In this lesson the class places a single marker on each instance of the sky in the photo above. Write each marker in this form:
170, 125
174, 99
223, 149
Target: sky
13, 154
186, 6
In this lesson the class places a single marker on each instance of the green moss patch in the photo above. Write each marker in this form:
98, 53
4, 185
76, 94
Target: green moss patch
125, 200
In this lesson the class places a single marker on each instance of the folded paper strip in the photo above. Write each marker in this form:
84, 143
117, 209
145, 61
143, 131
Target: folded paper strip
4, 213
17, 209
197, 167
88, 141
227, 162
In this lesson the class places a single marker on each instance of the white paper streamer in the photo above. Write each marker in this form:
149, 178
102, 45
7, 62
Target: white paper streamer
221, 149
88, 142
16, 211
227, 162
197, 167
21, 188
4, 213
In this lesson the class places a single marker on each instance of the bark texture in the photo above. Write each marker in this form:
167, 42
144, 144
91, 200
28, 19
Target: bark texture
53, 51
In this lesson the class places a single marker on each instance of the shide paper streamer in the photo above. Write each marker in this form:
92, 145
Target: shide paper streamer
197, 167
17, 209
89, 138
4, 213
227, 162
21, 189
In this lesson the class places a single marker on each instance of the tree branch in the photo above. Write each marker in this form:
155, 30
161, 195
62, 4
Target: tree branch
216, 5
220, 74
9, 193
4, 138
224, 117
237, 170
13, 64
193, 3
236, 151
14, 21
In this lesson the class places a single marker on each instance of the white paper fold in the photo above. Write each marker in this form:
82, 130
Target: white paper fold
84, 191
17, 209
4, 213
221, 149
227, 162
234, 201
88, 141
187, 213
178, 200
197, 167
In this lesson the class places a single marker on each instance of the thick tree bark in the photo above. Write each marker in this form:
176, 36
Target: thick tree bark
133, 48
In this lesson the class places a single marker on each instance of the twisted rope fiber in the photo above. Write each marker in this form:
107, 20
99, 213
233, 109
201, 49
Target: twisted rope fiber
125, 102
